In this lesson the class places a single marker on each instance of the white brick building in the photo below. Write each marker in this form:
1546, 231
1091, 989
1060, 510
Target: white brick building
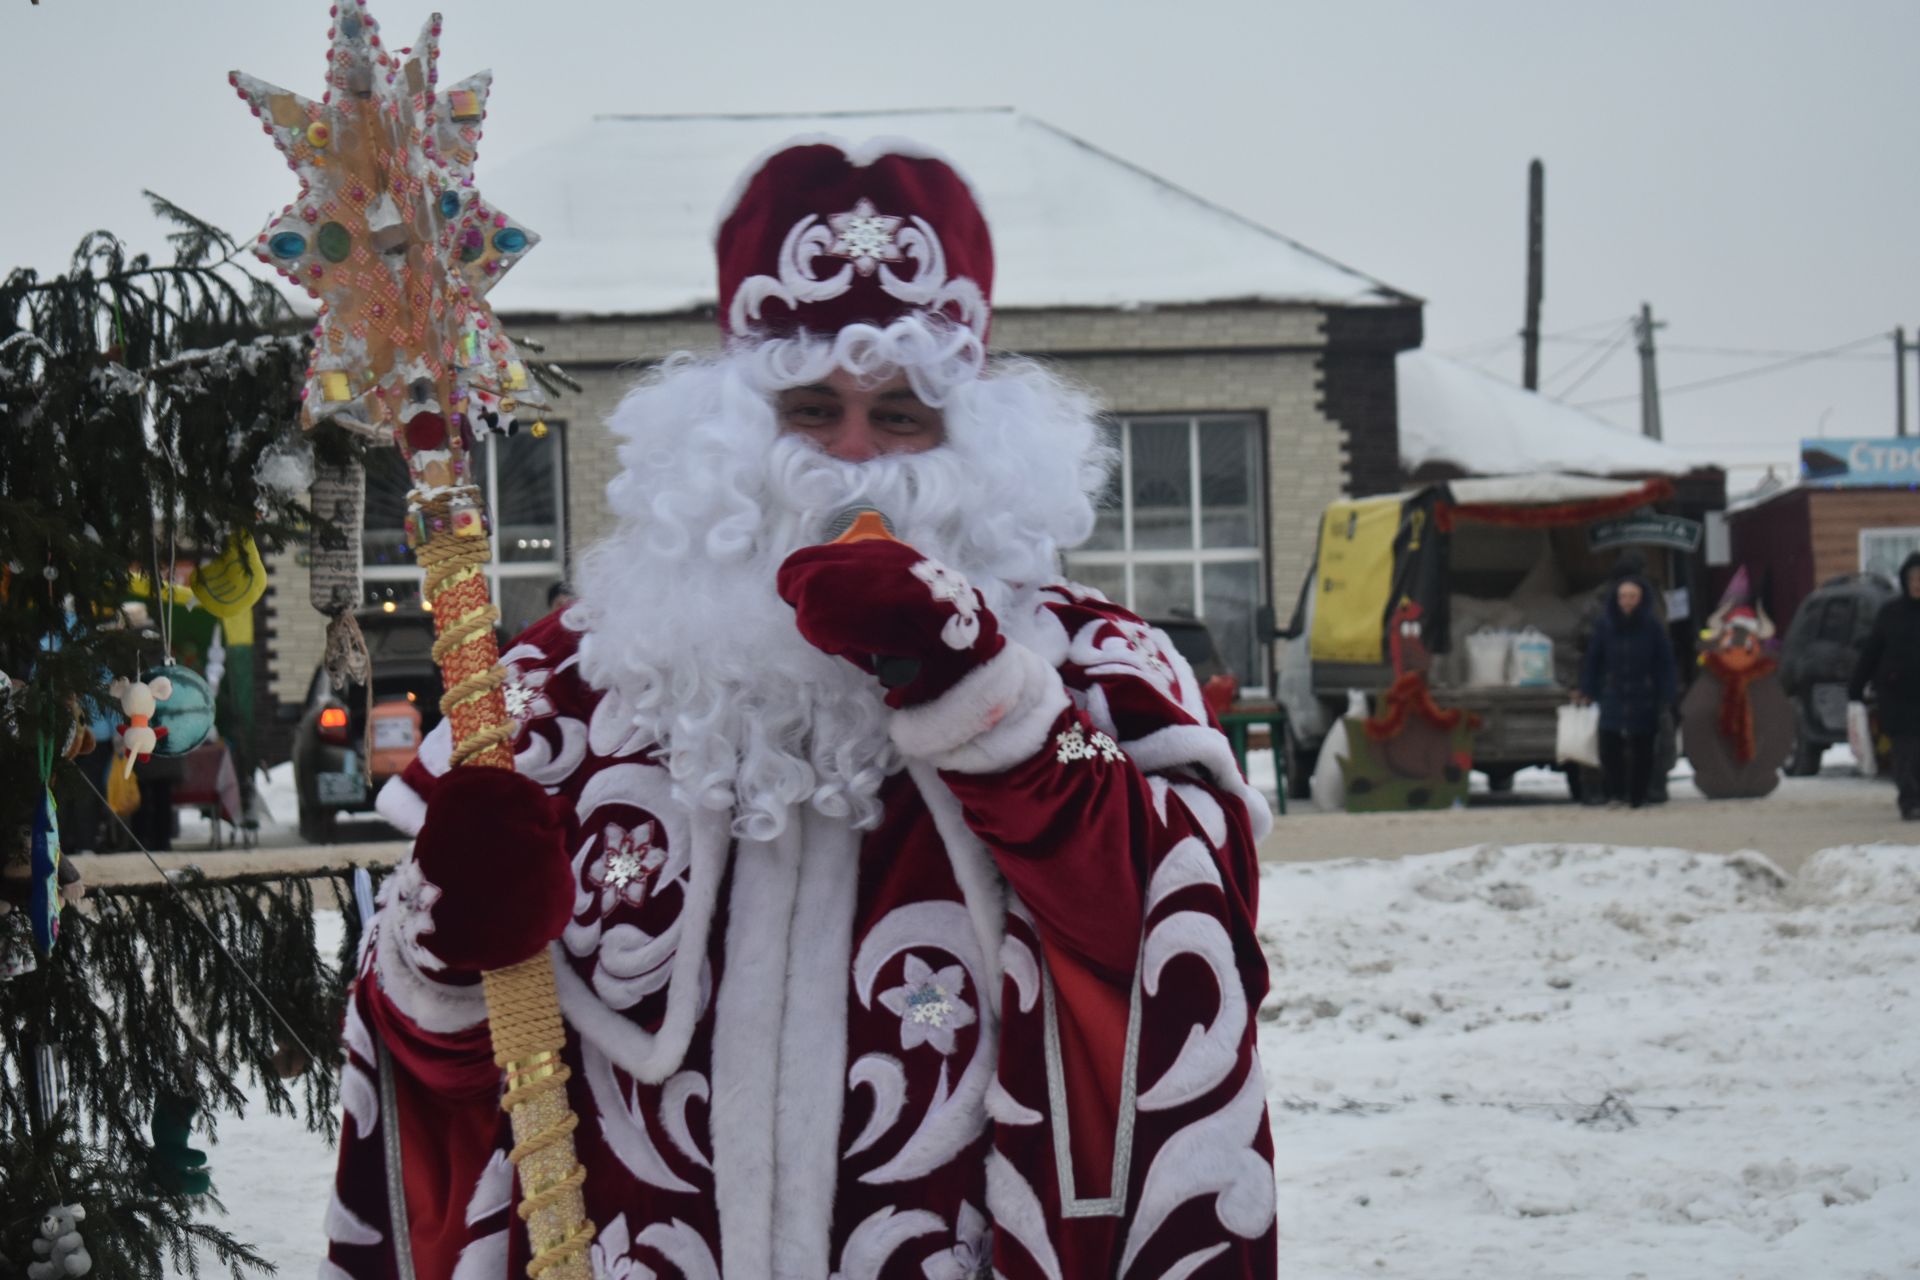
1250, 379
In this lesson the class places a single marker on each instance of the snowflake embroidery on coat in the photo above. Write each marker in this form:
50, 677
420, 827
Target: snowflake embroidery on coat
963, 628
971, 1257
1071, 744
525, 693
627, 864
929, 1005
865, 235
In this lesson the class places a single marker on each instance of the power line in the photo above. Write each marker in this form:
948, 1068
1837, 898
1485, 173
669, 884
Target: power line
1507, 339
1760, 352
1693, 349
1604, 353
1743, 374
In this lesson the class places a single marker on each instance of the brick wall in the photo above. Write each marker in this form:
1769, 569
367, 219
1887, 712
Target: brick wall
1359, 392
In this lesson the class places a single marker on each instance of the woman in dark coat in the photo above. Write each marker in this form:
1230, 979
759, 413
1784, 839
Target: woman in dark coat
1890, 662
1629, 672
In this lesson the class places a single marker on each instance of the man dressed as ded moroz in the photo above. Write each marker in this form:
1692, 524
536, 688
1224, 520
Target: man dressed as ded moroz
901, 894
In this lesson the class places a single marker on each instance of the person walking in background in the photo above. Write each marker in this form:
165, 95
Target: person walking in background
1890, 662
1629, 673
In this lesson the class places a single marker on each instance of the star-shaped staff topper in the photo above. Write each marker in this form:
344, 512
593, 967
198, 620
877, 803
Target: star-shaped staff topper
390, 234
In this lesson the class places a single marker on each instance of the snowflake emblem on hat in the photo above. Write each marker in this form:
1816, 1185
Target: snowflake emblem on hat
525, 693
929, 1005
627, 865
963, 628
864, 235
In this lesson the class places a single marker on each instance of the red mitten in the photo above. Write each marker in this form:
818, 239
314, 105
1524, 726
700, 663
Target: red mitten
494, 846
880, 599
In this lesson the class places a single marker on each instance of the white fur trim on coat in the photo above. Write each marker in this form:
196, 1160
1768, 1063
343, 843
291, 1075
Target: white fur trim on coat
981, 885
813, 1048
1199, 746
996, 717
406, 970
401, 806
753, 988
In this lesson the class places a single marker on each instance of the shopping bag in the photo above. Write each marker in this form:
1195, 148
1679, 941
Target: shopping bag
1532, 660
1487, 652
1576, 737
1860, 738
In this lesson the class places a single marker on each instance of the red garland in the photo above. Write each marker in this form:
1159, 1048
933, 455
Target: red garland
1736, 707
1446, 514
1410, 693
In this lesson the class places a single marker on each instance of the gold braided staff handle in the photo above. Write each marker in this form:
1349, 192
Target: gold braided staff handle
523, 1009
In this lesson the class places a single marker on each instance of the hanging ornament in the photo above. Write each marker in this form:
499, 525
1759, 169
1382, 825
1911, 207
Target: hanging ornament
43, 907
290, 1061
184, 720
138, 737
178, 1168
233, 581
60, 1253
10, 703
339, 495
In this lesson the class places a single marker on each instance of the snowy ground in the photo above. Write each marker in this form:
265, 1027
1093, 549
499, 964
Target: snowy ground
1579, 1061
1535, 1062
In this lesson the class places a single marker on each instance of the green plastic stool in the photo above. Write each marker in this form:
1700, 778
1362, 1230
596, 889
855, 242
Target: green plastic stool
1236, 723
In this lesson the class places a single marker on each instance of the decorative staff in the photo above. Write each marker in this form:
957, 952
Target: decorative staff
393, 239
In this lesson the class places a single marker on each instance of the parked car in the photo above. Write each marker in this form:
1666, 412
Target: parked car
1218, 685
1817, 657
347, 745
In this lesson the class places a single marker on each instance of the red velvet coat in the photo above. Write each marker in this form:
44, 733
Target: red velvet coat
1008, 1031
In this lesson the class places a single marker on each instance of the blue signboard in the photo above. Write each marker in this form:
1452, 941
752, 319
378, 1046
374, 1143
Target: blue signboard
1887, 461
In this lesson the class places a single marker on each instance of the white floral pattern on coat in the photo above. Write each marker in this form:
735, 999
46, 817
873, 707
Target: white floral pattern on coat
929, 1005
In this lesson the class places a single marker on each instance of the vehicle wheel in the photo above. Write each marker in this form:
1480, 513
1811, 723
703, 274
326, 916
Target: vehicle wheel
1805, 760
316, 825
1500, 780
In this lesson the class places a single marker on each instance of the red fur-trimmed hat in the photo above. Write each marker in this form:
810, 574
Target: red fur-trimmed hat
821, 235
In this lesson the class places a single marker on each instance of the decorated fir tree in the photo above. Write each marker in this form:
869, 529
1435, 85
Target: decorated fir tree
148, 417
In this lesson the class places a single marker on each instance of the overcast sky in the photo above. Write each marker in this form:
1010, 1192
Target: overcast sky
1750, 168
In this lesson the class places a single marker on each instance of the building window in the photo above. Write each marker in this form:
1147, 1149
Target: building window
1180, 531
1882, 550
523, 479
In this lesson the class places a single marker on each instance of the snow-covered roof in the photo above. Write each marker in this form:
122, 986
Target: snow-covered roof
1453, 413
625, 209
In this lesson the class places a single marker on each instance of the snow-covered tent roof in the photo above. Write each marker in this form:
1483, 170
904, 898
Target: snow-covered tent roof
1452, 413
626, 209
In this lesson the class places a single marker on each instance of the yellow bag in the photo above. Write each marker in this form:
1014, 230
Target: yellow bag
123, 792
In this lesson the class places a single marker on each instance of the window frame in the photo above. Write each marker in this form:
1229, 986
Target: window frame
1906, 531
498, 567
1197, 556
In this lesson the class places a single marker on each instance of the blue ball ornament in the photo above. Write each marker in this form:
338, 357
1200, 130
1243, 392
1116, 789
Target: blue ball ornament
187, 713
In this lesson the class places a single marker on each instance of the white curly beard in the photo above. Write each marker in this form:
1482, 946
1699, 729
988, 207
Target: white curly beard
683, 625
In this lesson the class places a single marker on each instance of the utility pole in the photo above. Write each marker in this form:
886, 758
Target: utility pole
1536, 267
1643, 326
1900, 348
